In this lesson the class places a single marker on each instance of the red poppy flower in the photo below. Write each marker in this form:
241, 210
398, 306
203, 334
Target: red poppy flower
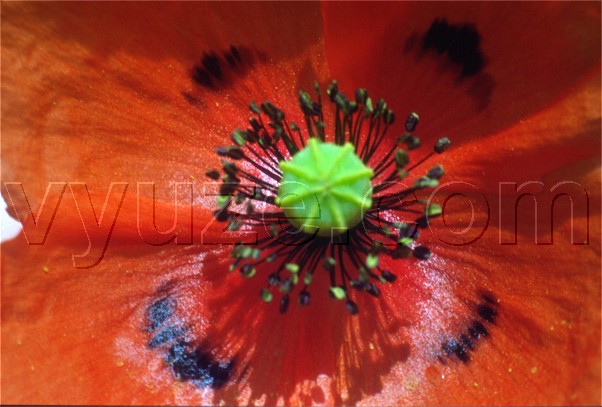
101, 305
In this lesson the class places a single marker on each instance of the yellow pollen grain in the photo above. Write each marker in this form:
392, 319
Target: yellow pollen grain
120, 363
45, 269
410, 384
509, 370
534, 370
371, 346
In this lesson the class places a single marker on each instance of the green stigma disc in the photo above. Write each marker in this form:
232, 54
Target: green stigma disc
325, 188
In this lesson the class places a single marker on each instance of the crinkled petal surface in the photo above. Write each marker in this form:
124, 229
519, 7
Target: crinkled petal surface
102, 309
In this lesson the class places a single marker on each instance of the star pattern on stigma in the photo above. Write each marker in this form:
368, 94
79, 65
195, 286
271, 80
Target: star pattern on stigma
385, 220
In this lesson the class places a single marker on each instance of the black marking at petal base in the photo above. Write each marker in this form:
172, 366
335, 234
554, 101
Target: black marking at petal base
461, 346
158, 312
230, 59
459, 42
217, 70
489, 298
232, 56
487, 313
169, 334
477, 330
202, 77
486, 309
459, 47
466, 341
198, 366
457, 349
212, 64
234, 53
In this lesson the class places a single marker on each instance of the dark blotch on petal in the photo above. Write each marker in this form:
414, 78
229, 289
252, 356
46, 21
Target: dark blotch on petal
461, 353
167, 335
487, 297
217, 70
234, 53
466, 342
232, 56
459, 42
198, 366
460, 346
454, 348
209, 72
211, 63
477, 330
459, 46
202, 77
158, 313
486, 313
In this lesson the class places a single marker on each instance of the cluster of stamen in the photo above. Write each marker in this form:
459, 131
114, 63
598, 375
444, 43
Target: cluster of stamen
252, 172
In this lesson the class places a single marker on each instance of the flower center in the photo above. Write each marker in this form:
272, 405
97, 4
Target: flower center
325, 206
325, 188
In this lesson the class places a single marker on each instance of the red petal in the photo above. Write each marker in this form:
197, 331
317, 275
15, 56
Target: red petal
543, 346
77, 336
566, 132
534, 54
103, 94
